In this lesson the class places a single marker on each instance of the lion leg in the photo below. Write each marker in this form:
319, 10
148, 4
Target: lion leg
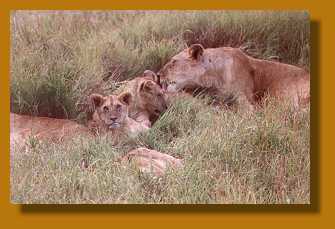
245, 101
143, 119
244, 104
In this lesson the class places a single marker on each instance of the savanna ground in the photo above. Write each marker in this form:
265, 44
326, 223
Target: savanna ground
58, 58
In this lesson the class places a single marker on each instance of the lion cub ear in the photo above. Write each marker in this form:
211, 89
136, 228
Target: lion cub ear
195, 51
125, 98
97, 100
147, 86
155, 77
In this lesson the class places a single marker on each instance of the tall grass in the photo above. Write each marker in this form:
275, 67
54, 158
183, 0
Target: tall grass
58, 58
228, 157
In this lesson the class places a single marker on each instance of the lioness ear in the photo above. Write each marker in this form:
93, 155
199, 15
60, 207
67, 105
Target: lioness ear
195, 51
125, 98
147, 86
97, 100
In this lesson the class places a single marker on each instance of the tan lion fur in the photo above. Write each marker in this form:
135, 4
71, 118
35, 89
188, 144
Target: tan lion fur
230, 72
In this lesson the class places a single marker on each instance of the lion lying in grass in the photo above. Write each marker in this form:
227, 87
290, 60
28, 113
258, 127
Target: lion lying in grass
111, 117
43, 128
228, 72
151, 161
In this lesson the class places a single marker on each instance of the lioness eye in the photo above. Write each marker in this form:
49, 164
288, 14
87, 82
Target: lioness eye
105, 108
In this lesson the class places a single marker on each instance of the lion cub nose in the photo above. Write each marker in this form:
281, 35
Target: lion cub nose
113, 119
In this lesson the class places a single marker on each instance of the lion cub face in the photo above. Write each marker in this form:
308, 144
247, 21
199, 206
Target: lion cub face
152, 96
111, 110
184, 69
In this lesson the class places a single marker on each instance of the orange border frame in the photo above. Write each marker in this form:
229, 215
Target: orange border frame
319, 214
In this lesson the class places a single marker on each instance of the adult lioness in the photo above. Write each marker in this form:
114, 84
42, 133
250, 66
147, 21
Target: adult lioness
149, 98
110, 118
43, 128
229, 72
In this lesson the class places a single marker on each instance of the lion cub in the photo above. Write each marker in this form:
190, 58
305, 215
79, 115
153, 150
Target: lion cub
111, 116
149, 98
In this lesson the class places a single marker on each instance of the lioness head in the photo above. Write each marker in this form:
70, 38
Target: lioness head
151, 93
184, 69
111, 111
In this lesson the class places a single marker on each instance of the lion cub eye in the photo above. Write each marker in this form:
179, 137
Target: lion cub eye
164, 85
105, 108
118, 107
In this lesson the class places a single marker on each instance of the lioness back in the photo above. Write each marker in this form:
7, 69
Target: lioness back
282, 80
51, 129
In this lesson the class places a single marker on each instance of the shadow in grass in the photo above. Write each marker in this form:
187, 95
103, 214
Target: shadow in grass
314, 207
